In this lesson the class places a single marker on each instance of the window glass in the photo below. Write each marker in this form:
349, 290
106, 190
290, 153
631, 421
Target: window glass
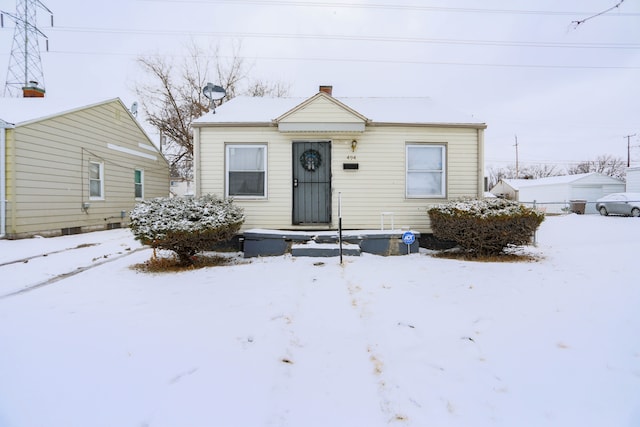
95, 180
246, 158
246, 170
425, 158
425, 170
138, 184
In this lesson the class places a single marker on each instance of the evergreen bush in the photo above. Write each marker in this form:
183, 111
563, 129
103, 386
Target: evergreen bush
485, 227
185, 226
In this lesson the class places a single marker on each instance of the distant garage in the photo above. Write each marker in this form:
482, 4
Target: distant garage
555, 194
633, 179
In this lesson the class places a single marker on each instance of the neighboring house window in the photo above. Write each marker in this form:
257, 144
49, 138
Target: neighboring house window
246, 170
138, 183
96, 180
426, 170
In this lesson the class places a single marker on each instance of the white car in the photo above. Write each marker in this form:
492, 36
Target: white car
627, 204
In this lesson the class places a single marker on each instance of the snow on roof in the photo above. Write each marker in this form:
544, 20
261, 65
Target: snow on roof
550, 180
245, 109
21, 110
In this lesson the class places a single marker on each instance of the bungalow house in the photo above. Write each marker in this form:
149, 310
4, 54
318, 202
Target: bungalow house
558, 194
301, 164
66, 171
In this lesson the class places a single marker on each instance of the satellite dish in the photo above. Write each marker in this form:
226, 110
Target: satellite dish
134, 109
213, 93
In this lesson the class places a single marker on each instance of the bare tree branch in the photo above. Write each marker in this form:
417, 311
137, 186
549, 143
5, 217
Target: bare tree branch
605, 164
529, 172
261, 88
172, 97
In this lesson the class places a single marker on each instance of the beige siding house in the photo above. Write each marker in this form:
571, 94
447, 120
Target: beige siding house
74, 170
296, 164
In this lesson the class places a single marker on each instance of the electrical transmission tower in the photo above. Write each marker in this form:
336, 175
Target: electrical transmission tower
24, 75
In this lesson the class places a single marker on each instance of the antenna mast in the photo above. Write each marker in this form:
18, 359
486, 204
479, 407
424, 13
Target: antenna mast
24, 75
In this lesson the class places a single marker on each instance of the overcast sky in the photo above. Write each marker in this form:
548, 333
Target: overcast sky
569, 94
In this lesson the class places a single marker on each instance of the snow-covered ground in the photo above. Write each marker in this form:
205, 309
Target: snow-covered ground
300, 342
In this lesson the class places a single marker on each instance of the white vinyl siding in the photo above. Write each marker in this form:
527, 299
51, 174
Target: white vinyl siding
425, 175
246, 173
96, 181
378, 185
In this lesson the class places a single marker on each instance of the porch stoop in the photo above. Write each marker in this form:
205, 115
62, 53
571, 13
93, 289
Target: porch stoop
313, 249
259, 242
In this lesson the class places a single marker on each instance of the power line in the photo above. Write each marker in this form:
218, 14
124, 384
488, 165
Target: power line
384, 6
345, 37
378, 61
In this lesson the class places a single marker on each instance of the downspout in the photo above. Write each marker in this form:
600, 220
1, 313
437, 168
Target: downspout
480, 163
196, 162
3, 176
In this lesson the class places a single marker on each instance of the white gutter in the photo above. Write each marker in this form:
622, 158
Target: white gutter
481, 189
3, 176
196, 163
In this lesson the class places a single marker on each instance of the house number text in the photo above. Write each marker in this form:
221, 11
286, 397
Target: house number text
351, 157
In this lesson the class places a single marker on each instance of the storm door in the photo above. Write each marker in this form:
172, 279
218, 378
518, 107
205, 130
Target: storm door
311, 182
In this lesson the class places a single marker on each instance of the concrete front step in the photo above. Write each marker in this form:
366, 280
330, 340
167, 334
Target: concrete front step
264, 242
313, 249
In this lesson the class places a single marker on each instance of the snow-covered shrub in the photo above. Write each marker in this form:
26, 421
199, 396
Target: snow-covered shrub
185, 226
485, 227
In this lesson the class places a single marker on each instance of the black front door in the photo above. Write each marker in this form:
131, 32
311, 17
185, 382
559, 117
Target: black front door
311, 182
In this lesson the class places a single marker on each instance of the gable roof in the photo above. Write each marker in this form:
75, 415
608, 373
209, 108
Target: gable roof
21, 111
262, 110
328, 98
321, 113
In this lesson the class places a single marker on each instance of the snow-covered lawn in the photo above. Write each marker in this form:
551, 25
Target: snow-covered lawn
299, 342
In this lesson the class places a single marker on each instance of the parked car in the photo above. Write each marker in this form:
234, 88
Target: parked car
627, 204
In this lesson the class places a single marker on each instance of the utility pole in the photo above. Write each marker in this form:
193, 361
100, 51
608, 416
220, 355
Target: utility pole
516, 145
25, 64
629, 148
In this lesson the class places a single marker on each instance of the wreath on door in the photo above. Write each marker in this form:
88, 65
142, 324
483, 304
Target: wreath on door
310, 160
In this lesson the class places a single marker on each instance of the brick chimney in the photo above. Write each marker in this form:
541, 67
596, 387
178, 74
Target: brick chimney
31, 90
327, 89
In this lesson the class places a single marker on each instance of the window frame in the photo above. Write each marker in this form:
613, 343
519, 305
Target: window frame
228, 148
100, 179
443, 171
136, 184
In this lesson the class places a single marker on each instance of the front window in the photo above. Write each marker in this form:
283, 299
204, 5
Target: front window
96, 180
426, 170
247, 170
138, 183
